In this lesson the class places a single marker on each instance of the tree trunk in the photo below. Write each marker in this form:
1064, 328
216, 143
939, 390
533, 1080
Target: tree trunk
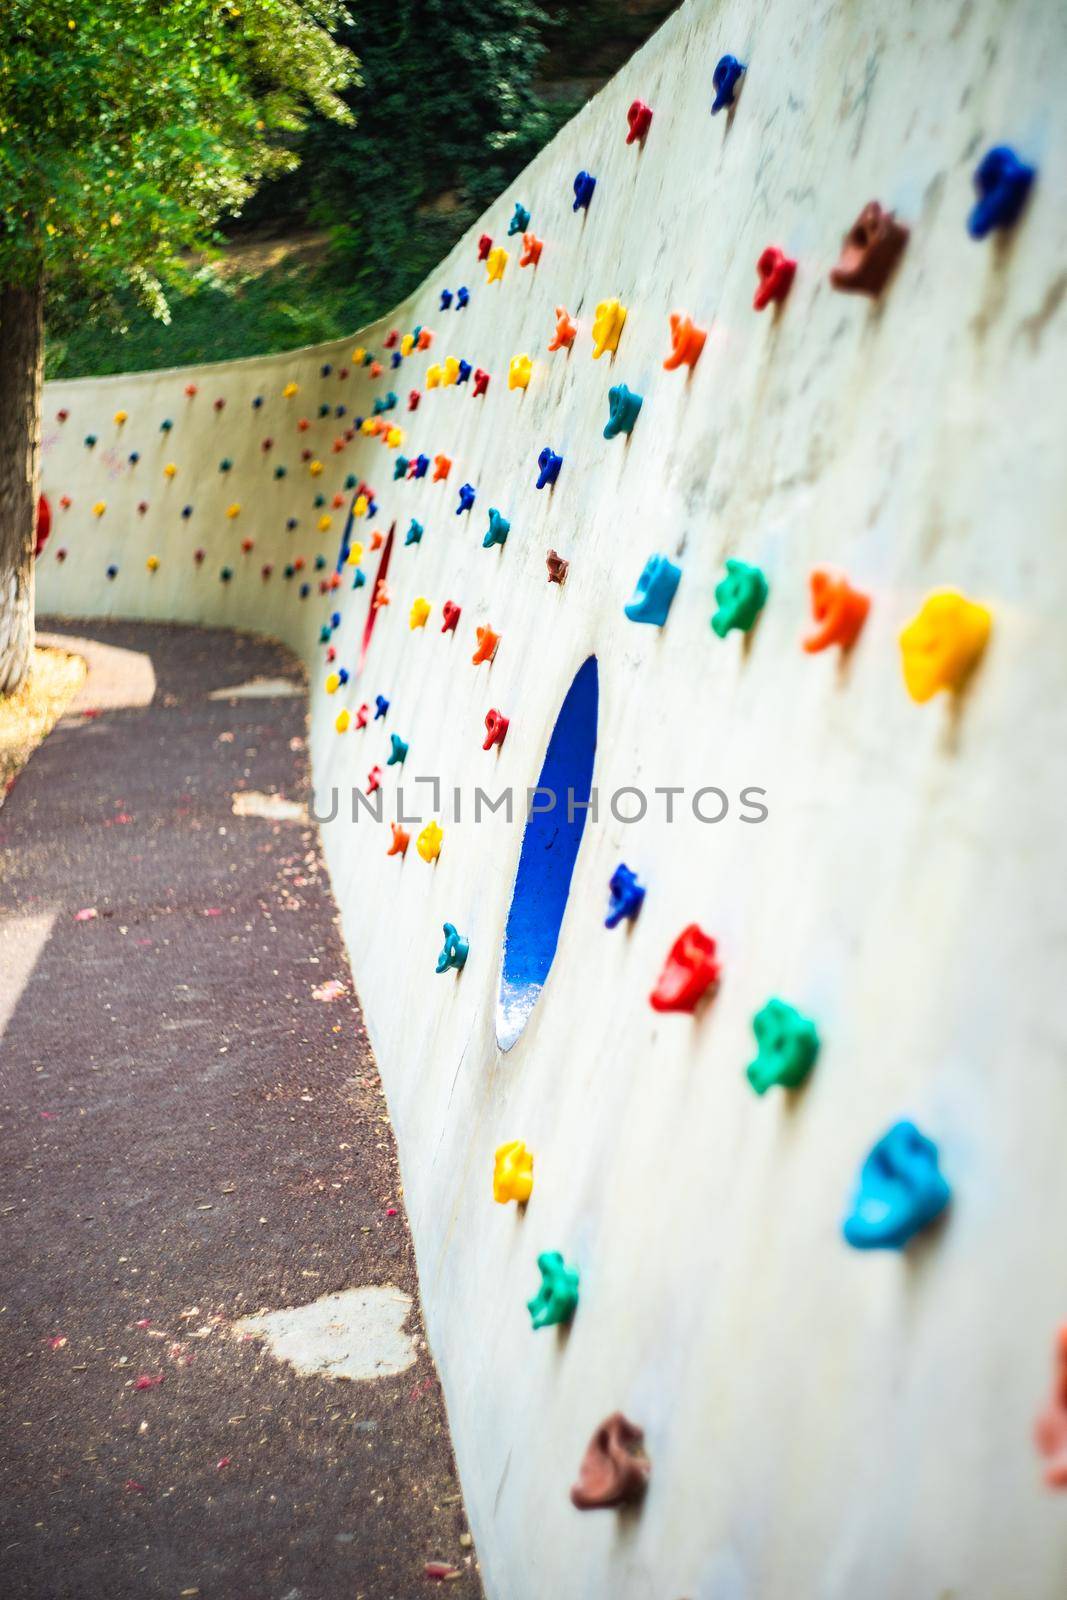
21, 362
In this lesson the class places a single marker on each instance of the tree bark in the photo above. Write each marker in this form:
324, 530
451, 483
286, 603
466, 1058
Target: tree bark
21, 363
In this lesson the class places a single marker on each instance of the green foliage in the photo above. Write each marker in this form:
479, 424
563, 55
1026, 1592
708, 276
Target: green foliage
128, 127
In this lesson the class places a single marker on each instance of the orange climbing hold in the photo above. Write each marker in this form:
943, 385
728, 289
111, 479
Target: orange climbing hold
487, 643
839, 610
531, 250
401, 840
381, 594
566, 332
376, 540
687, 341
442, 466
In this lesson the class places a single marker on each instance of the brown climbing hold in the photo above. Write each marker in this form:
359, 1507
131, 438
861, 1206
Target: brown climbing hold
614, 1469
557, 568
871, 249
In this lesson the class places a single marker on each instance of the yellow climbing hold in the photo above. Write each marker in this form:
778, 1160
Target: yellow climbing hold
343, 719
420, 610
355, 555
120, 417
358, 353
169, 470
152, 563
519, 369
325, 522
434, 377
360, 507
495, 262
234, 510
941, 645
450, 371
607, 326
407, 344
289, 391
315, 467
333, 683
428, 843
99, 508
394, 437
512, 1173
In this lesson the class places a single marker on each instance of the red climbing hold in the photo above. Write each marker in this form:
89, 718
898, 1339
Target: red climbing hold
451, 616
776, 273
496, 728
413, 399
481, 381
362, 715
639, 117
374, 779
688, 972
485, 244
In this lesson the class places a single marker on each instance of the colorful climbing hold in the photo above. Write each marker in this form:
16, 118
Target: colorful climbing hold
557, 568
450, 613
381, 707
870, 250
414, 533
687, 341
463, 295
450, 371
481, 381
607, 327
398, 750
639, 118
626, 896
401, 840
487, 645
565, 333
512, 1173
485, 244
839, 610
413, 399
623, 409
654, 592
584, 184
343, 719
520, 220
726, 80
787, 1046
775, 272
374, 780
688, 972
943, 643
519, 370
739, 598
428, 843
531, 250
420, 610
442, 466
495, 263
446, 299
453, 955
548, 463
615, 1469
496, 727
900, 1191
556, 1300
434, 376
466, 498
1003, 182
499, 528
152, 563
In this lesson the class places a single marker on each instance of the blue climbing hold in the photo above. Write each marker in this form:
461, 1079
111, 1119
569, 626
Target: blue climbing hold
520, 220
446, 299
398, 752
455, 950
584, 184
381, 706
414, 533
627, 896
305, 590
1003, 183
290, 523
549, 464
462, 297
340, 411
187, 512
464, 371
726, 78
112, 572
421, 467
325, 369
499, 528
257, 402
654, 592
135, 456
335, 620
623, 408
342, 673
395, 359
466, 498
900, 1191
372, 509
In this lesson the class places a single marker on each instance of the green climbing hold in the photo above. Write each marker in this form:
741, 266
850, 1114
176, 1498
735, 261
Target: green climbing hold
787, 1044
740, 598
557, 1299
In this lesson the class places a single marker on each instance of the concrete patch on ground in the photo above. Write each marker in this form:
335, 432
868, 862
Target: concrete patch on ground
357, 1334
274, 807
260, 689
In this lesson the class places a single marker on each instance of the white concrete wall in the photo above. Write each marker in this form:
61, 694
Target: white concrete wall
820, 1423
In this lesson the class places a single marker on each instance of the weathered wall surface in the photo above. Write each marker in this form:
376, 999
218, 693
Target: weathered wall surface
821, 1423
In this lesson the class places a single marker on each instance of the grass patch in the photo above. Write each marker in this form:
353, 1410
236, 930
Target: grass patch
28, 715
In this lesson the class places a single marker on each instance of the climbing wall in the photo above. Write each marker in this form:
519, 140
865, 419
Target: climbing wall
750, 388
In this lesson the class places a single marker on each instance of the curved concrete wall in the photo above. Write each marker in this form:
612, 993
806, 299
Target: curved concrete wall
820, 1422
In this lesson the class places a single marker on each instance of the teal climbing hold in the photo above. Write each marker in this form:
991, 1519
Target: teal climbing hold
787, 1046
557, 1299
499, 528
414, 533
740, 597
623, 407
454, 953
398, 753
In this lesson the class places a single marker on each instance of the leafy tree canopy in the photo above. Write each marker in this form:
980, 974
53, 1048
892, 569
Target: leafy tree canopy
128, 127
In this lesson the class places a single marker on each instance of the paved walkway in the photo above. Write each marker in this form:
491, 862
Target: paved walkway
188, 1137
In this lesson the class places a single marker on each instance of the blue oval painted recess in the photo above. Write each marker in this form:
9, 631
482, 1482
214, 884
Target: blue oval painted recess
546, 861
